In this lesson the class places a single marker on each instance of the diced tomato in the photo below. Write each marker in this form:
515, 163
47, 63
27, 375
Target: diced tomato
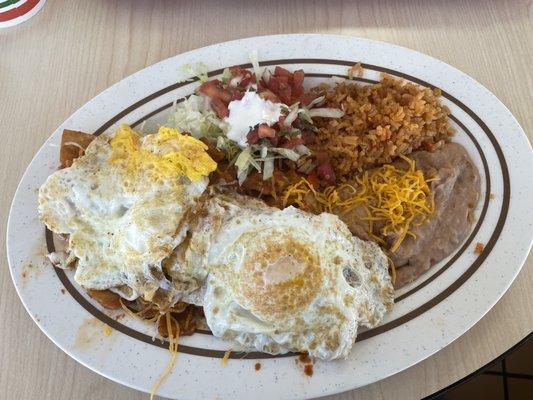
308, 137
261, 85
220, 109
253, 136
290, 143
280, 71
297, 88
273, 84
298, 78
237, 71
283, 79
268, 95
247, 75
213, 89
274, 140
296, 95
285, 93
236, 94
325, 173
281, 88
250, 78
265, 131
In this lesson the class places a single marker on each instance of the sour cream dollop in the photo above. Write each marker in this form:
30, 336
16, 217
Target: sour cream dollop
248, 112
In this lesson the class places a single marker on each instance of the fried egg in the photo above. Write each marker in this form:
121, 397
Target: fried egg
281, 280
122, 205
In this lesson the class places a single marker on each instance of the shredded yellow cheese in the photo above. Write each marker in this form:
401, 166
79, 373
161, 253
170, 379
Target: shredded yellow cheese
137, 315
173, 341
395, 198
173, 348
224, 360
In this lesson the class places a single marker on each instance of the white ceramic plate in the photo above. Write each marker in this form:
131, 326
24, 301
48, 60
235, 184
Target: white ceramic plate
429, 313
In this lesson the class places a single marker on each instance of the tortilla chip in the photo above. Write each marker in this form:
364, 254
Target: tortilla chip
73, 144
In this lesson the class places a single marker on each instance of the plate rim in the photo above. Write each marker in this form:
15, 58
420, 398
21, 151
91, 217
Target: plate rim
133, 77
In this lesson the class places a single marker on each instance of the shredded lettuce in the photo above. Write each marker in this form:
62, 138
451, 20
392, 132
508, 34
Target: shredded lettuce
254, 59
243, 160
228, 146
226, 76
197, 70
287, 153
242, 175
194, 115
261, 157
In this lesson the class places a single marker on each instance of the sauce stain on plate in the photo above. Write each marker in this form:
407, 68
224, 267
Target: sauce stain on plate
90, 332
29, 271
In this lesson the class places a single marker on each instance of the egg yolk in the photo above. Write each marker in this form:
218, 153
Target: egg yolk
167, 154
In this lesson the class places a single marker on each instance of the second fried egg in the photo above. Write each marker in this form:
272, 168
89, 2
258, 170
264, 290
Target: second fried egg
283, 280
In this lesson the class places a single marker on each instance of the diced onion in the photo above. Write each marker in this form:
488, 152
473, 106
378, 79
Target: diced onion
268, 168
264, 151
325, 112
292, 115
235, 81
302, 150
287, 153
316, 102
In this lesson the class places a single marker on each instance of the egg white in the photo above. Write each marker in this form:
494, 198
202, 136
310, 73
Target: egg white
281, 280
118, 232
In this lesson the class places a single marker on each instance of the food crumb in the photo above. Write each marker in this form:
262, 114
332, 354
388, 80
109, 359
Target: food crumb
62, 291
107, 330
304, 358
492, 196
225, 359
479, 248
257, 366
355, 70
307, 364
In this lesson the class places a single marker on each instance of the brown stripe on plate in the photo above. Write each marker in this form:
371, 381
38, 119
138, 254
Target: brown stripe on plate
113, 323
